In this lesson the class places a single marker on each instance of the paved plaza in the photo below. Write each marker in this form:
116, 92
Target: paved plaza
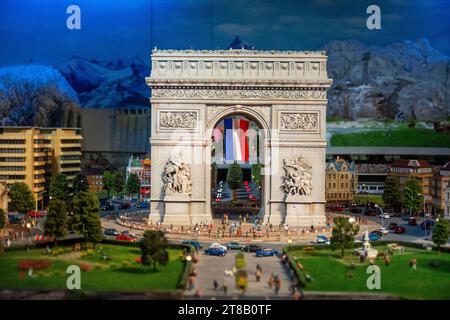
212, 268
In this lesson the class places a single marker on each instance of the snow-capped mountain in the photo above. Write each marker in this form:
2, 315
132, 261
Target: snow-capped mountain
115, 83
410, 79
33, 95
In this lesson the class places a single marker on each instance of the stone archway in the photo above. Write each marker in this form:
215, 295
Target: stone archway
222, 113
285, 92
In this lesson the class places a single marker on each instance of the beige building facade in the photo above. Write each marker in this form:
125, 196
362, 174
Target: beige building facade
284, 92
30, 155
341, 180
439, 183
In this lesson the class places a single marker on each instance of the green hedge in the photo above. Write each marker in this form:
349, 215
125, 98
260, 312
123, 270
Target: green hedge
240, 261
184, 276
373, 243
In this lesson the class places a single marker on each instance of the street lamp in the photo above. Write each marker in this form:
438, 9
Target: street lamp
28, 225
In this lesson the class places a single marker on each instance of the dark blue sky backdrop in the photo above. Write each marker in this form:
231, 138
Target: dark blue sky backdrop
36, 29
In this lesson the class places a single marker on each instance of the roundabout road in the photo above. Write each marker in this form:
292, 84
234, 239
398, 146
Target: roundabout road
212, 268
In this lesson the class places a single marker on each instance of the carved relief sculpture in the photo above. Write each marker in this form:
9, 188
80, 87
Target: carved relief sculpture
275, 94
177, 177
299, 120
178, 119
298, 179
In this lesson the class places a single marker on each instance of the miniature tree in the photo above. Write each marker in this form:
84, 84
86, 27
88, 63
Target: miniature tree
343, 234
234, 178
80, 183
412, 196
56, 222
154, 249
85, 218
58, 187
21, 198
133, 184
391, 195
119, 182
440, 233
108, 182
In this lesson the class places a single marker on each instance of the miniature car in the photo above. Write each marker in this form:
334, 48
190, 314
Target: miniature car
428, 224
215, 252
322, 239
218, 245
36, 214
234, 246
14, 219
125, 237
374, 236
399, 230
111, 232
266, 252
412, 221
393, 225
251, 248
193, 243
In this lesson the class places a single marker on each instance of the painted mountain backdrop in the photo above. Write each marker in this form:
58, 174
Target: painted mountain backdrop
407, 80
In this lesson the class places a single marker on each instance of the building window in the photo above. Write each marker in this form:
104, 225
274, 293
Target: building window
11, 150
12, 141
70, 141
74, 149
12, 177
12, 159
12, 168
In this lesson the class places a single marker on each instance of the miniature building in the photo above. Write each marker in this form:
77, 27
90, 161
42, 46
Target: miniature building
341, 180
3, 197
31, 155
94, 177
283, 92
420, 169
142, 168
447, 202
439, 182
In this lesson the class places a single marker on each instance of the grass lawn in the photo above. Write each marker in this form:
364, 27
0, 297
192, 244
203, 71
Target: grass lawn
329, 273
378, 199
400, 137
121, 273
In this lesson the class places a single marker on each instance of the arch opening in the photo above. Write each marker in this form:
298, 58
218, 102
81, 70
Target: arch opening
236, 162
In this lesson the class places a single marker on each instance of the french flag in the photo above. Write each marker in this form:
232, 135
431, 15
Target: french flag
235, 139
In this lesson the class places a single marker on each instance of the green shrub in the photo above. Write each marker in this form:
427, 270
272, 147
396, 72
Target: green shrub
241, 279
240, 261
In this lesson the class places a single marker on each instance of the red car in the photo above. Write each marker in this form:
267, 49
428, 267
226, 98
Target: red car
125, 237
412, 222
36, 214
399, 229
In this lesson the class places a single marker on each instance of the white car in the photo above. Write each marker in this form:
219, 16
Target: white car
383, 230
385, 216
218, 245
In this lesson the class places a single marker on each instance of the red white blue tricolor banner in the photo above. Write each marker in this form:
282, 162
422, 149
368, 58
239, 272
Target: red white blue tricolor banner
235, 139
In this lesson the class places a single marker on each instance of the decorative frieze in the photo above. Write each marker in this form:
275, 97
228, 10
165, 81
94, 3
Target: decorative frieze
302, 121
298, 178
178, 119
238, 94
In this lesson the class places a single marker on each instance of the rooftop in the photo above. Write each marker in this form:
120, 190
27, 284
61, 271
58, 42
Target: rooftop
412, 163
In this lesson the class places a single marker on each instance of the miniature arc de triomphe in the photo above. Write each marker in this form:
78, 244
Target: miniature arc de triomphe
284, 92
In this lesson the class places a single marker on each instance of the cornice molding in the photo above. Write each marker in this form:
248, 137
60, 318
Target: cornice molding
231, 52
154, 81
